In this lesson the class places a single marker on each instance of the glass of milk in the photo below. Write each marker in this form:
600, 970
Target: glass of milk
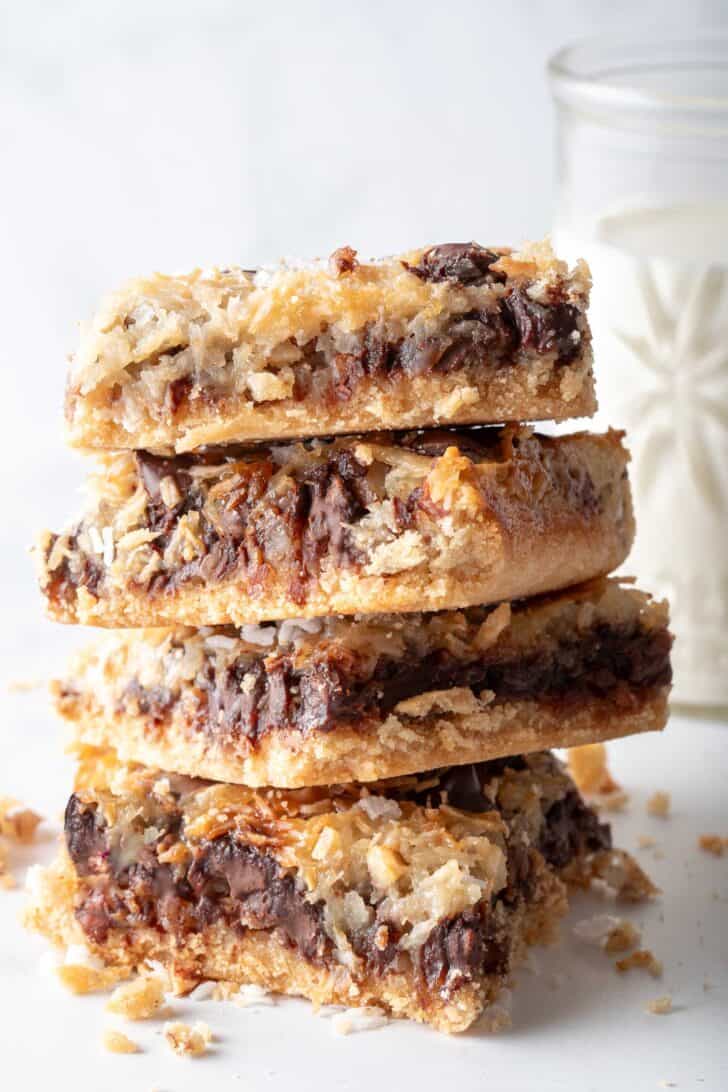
642, 145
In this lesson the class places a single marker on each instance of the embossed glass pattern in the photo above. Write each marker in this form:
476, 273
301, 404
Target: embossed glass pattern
643, 195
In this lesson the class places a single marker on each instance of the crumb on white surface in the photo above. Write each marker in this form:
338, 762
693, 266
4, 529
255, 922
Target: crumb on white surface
188, 1040
606, 931
617, 800
646, 841
79, 979
660, 1006
622, 875
589, 769
24, 686
18, 825
139, 999
658, 804
642, 960
118, 1043
717, 844
83, 972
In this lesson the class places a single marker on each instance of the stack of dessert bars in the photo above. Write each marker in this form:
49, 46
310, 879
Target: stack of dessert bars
322, 766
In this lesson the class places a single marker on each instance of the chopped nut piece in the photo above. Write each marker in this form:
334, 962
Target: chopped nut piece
713, 843
643, 959
588, 767
118, 1043
189, 1041
660, 1006
139, 999
385, 866
659, 805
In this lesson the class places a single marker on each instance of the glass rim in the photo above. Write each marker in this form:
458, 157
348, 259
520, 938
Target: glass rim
582, 72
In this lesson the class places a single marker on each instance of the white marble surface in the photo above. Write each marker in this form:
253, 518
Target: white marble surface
577, 1024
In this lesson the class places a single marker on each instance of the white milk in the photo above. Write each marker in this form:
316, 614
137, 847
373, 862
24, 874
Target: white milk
660, 320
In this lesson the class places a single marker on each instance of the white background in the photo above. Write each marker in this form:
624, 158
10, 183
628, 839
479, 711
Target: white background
140, 136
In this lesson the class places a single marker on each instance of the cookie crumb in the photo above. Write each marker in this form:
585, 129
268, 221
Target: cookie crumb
621, 873
18, 823
646, 841
118, 1043
660, 1006
81, 979
643, 959
607, 932
612, 801
716, 844
187, 1040
588, 767
659, 804
139, 999
24, 686
623, 936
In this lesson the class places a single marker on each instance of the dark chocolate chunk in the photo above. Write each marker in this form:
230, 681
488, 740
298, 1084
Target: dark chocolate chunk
544, 327
461, 946
571, 828
263, 897
465, 263
86, 835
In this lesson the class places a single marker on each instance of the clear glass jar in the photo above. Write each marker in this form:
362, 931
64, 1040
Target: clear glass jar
643, 196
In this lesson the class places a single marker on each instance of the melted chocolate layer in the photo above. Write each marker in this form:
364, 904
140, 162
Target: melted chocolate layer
264, 525
330, 690
243, 886
480, 341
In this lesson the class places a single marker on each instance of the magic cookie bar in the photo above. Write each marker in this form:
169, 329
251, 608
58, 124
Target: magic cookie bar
453, 334
418, 895
320, 701
390, 523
